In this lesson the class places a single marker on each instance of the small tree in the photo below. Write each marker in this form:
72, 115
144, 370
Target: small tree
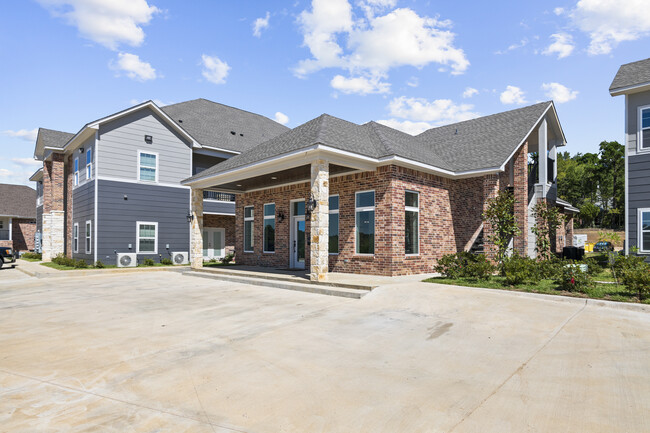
500, 216
547, 218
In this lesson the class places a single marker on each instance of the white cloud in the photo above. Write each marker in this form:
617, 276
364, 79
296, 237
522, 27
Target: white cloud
610, 22
374, 44
469, 92
559, 93
512, 95
27, 162
18, 170
359, 85
558, 11
413, 128
281, 118
133, 67
522, 43
261, 24
562, 45
413, 82
107, 22
25, 134
214, 69
439, 111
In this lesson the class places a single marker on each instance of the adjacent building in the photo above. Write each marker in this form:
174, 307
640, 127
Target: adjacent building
17, 217
633, 81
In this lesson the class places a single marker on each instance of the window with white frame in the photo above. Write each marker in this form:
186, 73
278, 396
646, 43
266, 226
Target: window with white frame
249, 241
334, 224
2, 224
644, 230
76, 171
412, 223
644, 128
75, 237
365, 222
89, 163
88, 237
269, 228
147, 237
148, 167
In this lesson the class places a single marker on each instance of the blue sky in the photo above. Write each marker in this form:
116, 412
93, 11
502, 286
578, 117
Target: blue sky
409, 64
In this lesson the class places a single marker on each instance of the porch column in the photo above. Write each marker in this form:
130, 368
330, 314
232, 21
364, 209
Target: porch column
490, 191
319, 247
11, 229
542, 155
520, 169
196, 232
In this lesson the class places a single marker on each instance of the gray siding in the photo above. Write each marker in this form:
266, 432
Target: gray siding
121, 140
634, 101
219, 207
39, 219
118, 218
83, 209
87, 146
639, 192
203, 162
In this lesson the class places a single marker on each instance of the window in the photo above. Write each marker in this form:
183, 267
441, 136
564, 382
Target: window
75, 237
148, 167
298, 208
334, 225
2, 223
88, 237
365, 222
249, 242
644, 230
89, 163
269, 228
644, 128
147, 238
412, 223
76, 171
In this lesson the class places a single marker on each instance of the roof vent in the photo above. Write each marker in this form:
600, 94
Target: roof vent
241, 135
180, 121
233, 132
456, 133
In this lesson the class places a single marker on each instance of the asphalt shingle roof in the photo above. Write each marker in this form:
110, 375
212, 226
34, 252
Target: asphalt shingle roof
631, 74
212, 124
17, 201
53, 138
482, 143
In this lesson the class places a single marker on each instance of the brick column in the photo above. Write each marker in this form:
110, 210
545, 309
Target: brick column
490, 190
520, 167
53, 234
196, 234
569, 231
319, 221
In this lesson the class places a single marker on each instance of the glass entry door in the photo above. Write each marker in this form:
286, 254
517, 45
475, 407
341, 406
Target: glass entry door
298, 243
213, 243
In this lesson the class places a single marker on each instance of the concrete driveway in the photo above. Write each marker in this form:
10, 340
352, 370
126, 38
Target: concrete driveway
162, 352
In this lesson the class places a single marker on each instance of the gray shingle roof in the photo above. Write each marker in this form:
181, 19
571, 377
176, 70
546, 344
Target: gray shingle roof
211, 124
53, 138
631, 74
481, 143
17, 201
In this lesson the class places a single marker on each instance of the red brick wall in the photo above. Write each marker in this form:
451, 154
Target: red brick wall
490, 190
53, 179
521, 199
225, 222
22, 234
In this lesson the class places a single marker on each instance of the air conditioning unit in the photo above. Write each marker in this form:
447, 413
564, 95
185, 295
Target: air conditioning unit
127, 260
181, 258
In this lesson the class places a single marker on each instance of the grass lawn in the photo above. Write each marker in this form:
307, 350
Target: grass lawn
610, 292
217, 264
30, 260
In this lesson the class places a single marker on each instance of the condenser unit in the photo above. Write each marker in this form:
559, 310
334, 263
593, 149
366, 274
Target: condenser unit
181, 258
127, 260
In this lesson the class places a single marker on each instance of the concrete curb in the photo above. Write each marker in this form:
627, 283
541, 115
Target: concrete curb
56, 273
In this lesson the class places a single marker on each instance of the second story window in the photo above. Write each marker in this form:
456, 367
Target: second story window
89, 163
148, 167
644, 130
76, 171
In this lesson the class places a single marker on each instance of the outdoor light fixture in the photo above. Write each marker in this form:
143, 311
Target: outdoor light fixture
190, 217
281, 216
81, 150
310, 205
148, 139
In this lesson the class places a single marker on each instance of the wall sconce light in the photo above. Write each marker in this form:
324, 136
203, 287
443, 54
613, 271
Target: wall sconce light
281, 216
81, 150
148, 139
190, 217
310, 205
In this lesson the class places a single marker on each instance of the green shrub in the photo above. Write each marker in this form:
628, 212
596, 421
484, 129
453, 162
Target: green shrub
634, 272
227, 258
572, 279
62, 260
549, 268
593, 267
99, 264
519, 270
166, 262
148, 262
80, 264
465, 265
33, 256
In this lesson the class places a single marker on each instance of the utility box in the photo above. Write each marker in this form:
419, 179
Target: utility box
579, 241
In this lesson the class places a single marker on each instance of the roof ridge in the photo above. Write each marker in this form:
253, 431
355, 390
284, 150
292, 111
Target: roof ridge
223, 105
374, 127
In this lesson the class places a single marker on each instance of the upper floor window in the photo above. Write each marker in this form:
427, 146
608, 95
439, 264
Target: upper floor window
148, 167
365, 222
76, 171
644, 129
89, 163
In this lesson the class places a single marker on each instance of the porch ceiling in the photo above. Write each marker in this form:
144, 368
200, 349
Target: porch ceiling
297, 174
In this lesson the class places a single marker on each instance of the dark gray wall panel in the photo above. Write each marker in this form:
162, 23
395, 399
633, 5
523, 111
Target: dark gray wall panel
83, 209
220, 207
639, 192
118, 217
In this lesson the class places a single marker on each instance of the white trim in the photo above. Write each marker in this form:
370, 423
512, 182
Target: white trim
416, 210
219, 213
297, 182
143, 182
639, 130
621, 90
209, 200
356, 226
252, 219
627, 189
137, 237
88, 237
75, 238
331, 211
139, 167
639, 229
11, 228
264, 218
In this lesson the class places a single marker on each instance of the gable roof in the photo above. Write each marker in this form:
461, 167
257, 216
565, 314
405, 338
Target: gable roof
480, 144
51, 138
212, 125
631, 75
18, 201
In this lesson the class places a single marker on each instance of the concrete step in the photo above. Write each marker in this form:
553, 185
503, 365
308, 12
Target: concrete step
281, 277
320, 289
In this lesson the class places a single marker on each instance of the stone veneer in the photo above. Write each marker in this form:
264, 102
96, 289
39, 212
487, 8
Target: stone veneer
318, 220
196, 232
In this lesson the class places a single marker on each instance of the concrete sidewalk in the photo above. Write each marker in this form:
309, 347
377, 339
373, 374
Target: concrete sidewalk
163, 352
